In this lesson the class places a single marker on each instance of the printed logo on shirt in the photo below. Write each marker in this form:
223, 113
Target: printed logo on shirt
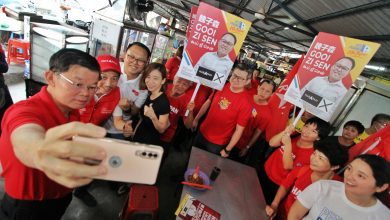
224, 103
106, 111
136, 93
295, 191
254, 112
327, 214
174, 110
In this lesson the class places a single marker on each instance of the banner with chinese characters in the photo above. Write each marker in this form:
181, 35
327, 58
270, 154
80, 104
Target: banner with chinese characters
330, 67
192, 20
213, 45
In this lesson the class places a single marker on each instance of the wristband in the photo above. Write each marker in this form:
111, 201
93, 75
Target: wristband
226, 151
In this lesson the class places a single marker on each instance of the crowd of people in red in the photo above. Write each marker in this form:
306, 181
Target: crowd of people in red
145, 102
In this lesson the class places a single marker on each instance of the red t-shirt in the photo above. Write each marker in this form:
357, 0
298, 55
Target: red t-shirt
178, 106
202, 95
22, 182
98, 111
226, 111
297, 180
172, 66
274, 165
260, 117
253, 89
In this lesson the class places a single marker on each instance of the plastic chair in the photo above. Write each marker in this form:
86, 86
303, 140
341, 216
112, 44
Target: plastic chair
142, 203
18, 51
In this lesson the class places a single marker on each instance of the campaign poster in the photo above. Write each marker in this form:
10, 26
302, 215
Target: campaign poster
330, 67
192, 20
213, 45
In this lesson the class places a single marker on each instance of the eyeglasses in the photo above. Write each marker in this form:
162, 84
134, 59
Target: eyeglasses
227, 42
79, 86
138, 61
239, 78
342, 67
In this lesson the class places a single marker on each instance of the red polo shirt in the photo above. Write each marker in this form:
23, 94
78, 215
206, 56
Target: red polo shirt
22, 182
226, 111
260, 117
200, 98
178, 107
98, 111
297, 180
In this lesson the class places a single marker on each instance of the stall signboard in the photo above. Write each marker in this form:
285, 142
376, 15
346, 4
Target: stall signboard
213, 44
192, 20
330, 67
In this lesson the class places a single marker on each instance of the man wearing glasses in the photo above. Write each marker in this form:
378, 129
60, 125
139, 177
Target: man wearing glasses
132, 98
36, 147
228, 115
378, 122
331, 87
219, 61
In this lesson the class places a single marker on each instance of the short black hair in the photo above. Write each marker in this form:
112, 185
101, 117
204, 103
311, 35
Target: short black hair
356, 124
269, 82
323, 127
380, 169
243, 67
231, 34
335, 153
380, 118
143, 46
63, 59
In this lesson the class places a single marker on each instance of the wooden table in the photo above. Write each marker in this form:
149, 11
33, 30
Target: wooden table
236, 193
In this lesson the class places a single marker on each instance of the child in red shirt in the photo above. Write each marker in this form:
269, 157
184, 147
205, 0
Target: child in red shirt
290, 154
324, 161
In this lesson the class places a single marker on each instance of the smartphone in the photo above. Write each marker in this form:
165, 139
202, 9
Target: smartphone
127, 161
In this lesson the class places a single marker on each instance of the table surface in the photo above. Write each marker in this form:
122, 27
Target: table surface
236, 193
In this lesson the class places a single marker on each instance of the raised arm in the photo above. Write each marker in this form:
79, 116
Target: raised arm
51, 151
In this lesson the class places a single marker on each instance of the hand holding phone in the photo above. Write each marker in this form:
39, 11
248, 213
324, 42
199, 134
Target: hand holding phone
127, 161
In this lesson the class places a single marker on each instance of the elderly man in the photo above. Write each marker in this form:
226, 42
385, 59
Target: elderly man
35, 146
179, 104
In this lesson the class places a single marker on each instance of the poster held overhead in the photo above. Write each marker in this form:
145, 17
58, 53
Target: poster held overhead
330, 67
213, 44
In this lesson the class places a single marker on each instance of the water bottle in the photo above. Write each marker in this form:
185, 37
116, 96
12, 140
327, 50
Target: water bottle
27, 69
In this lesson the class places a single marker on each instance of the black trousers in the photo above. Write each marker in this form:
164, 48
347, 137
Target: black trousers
51, 209
203, 143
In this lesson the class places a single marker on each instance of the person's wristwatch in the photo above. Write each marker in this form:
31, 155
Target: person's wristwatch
227, 151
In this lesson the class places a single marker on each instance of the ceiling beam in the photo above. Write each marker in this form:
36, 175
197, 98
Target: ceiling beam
295, 16
373, 37
253, 13
348, 11
276, 34
274, 42
276, 8
173, 5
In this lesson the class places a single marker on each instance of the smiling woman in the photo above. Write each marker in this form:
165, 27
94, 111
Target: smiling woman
156, 109
365, 177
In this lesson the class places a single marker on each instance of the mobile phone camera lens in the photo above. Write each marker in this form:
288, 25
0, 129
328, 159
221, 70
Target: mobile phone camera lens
115, 161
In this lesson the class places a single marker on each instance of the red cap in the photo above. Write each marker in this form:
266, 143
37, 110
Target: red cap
108, 62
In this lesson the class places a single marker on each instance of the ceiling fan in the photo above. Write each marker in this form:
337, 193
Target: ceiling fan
263, 14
